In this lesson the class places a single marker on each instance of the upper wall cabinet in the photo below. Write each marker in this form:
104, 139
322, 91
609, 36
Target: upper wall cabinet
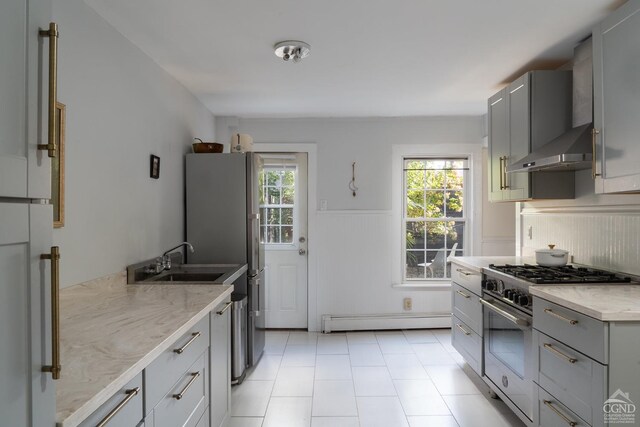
523, 116
616, 80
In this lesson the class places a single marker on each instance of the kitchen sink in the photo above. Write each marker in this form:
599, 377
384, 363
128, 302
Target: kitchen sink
186, 277
210, 274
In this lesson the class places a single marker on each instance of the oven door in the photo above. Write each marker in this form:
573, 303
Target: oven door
508, 355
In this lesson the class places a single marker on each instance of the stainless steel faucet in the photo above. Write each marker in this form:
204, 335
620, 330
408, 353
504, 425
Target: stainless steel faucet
166, 259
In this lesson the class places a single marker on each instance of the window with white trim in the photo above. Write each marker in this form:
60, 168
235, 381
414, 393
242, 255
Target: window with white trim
434, 217
277, 204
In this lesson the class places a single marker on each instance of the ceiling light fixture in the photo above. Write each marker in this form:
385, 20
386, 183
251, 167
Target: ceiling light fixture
292, 49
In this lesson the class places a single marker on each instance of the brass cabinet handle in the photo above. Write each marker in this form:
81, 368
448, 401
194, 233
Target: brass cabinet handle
464, 331
463, 294
131, 393
225, 308
594, 135
55, 366
560, 414
181, 350
52, 34
194, 377
504, 172
463, 272
557, 316
559, 354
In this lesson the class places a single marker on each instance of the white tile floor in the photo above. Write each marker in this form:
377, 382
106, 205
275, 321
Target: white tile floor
367, 379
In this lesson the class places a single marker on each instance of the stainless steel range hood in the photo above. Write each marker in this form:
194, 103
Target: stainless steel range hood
569, 151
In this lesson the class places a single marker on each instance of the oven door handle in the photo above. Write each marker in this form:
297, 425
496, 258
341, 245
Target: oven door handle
510, 317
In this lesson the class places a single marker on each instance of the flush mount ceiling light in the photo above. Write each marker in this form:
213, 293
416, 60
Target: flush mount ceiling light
292, 49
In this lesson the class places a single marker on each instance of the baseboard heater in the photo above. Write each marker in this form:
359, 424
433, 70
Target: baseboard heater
333, 323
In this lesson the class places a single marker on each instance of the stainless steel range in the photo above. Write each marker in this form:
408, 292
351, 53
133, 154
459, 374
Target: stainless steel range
508, 319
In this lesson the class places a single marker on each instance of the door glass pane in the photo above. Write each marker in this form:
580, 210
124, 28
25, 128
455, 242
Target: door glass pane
286, 234
278, 208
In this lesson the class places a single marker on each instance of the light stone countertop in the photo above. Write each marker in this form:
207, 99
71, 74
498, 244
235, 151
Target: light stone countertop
111, 331
477, 263
613, 302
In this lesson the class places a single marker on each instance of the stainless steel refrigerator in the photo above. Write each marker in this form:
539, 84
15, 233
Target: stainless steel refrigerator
223, 224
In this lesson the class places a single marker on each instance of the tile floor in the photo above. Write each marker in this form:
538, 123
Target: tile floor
369, 379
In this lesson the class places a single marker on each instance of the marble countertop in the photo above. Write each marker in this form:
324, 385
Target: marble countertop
603, 302
111, 331
477, 263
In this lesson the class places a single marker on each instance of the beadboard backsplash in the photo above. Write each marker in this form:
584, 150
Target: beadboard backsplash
600, 237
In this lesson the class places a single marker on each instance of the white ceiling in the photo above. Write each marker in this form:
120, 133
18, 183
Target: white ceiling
368, 57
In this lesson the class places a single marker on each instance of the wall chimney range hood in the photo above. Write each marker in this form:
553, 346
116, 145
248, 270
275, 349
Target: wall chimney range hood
570, 151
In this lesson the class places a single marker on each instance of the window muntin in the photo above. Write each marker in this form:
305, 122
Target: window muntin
434, 216
277, 204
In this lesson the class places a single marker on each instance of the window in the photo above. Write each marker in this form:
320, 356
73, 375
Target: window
434, 217
277, 185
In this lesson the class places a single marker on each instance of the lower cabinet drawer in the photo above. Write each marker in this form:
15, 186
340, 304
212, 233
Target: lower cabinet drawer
187, 400
468, 344
576, 380
123, 409
549, 412
466, 307
171, 364
586, 334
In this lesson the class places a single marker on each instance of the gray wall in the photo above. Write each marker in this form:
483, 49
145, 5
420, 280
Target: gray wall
121, 107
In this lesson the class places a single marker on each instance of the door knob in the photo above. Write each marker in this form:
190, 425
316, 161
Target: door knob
302, 252
302, 240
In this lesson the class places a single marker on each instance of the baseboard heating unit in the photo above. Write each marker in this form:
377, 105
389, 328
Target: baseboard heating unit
334, 323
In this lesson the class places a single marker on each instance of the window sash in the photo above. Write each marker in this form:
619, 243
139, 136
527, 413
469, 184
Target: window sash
409, 164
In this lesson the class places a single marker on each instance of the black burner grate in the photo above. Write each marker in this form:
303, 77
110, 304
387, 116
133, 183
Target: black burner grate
566, 274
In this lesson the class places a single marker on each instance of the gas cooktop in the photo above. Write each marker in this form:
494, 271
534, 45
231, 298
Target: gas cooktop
566, 274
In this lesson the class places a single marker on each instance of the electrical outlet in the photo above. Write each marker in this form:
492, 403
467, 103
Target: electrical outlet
323, 204
407, 304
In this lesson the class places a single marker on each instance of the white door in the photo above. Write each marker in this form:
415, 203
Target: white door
284, 232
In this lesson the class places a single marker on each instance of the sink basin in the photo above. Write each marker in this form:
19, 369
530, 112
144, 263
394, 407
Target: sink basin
210, 274
186, 277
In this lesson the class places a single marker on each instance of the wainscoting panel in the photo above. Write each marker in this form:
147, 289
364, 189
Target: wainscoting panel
355, 268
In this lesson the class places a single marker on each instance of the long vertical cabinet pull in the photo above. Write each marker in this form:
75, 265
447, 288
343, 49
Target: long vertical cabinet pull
52, 34
55, 366
504, 172
594, 136
501, 176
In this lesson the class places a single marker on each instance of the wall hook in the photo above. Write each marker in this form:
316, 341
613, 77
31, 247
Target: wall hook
352, 183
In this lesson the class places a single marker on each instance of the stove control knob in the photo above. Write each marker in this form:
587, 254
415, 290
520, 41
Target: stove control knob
490, 285
507, 293
523, 300
514, 296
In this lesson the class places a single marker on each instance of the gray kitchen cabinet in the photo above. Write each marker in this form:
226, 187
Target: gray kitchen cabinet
188, 399
466, 318
579, 363
498, 143
171, 364
616, 89
124, 408
27, 393
531, 111
220, 355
